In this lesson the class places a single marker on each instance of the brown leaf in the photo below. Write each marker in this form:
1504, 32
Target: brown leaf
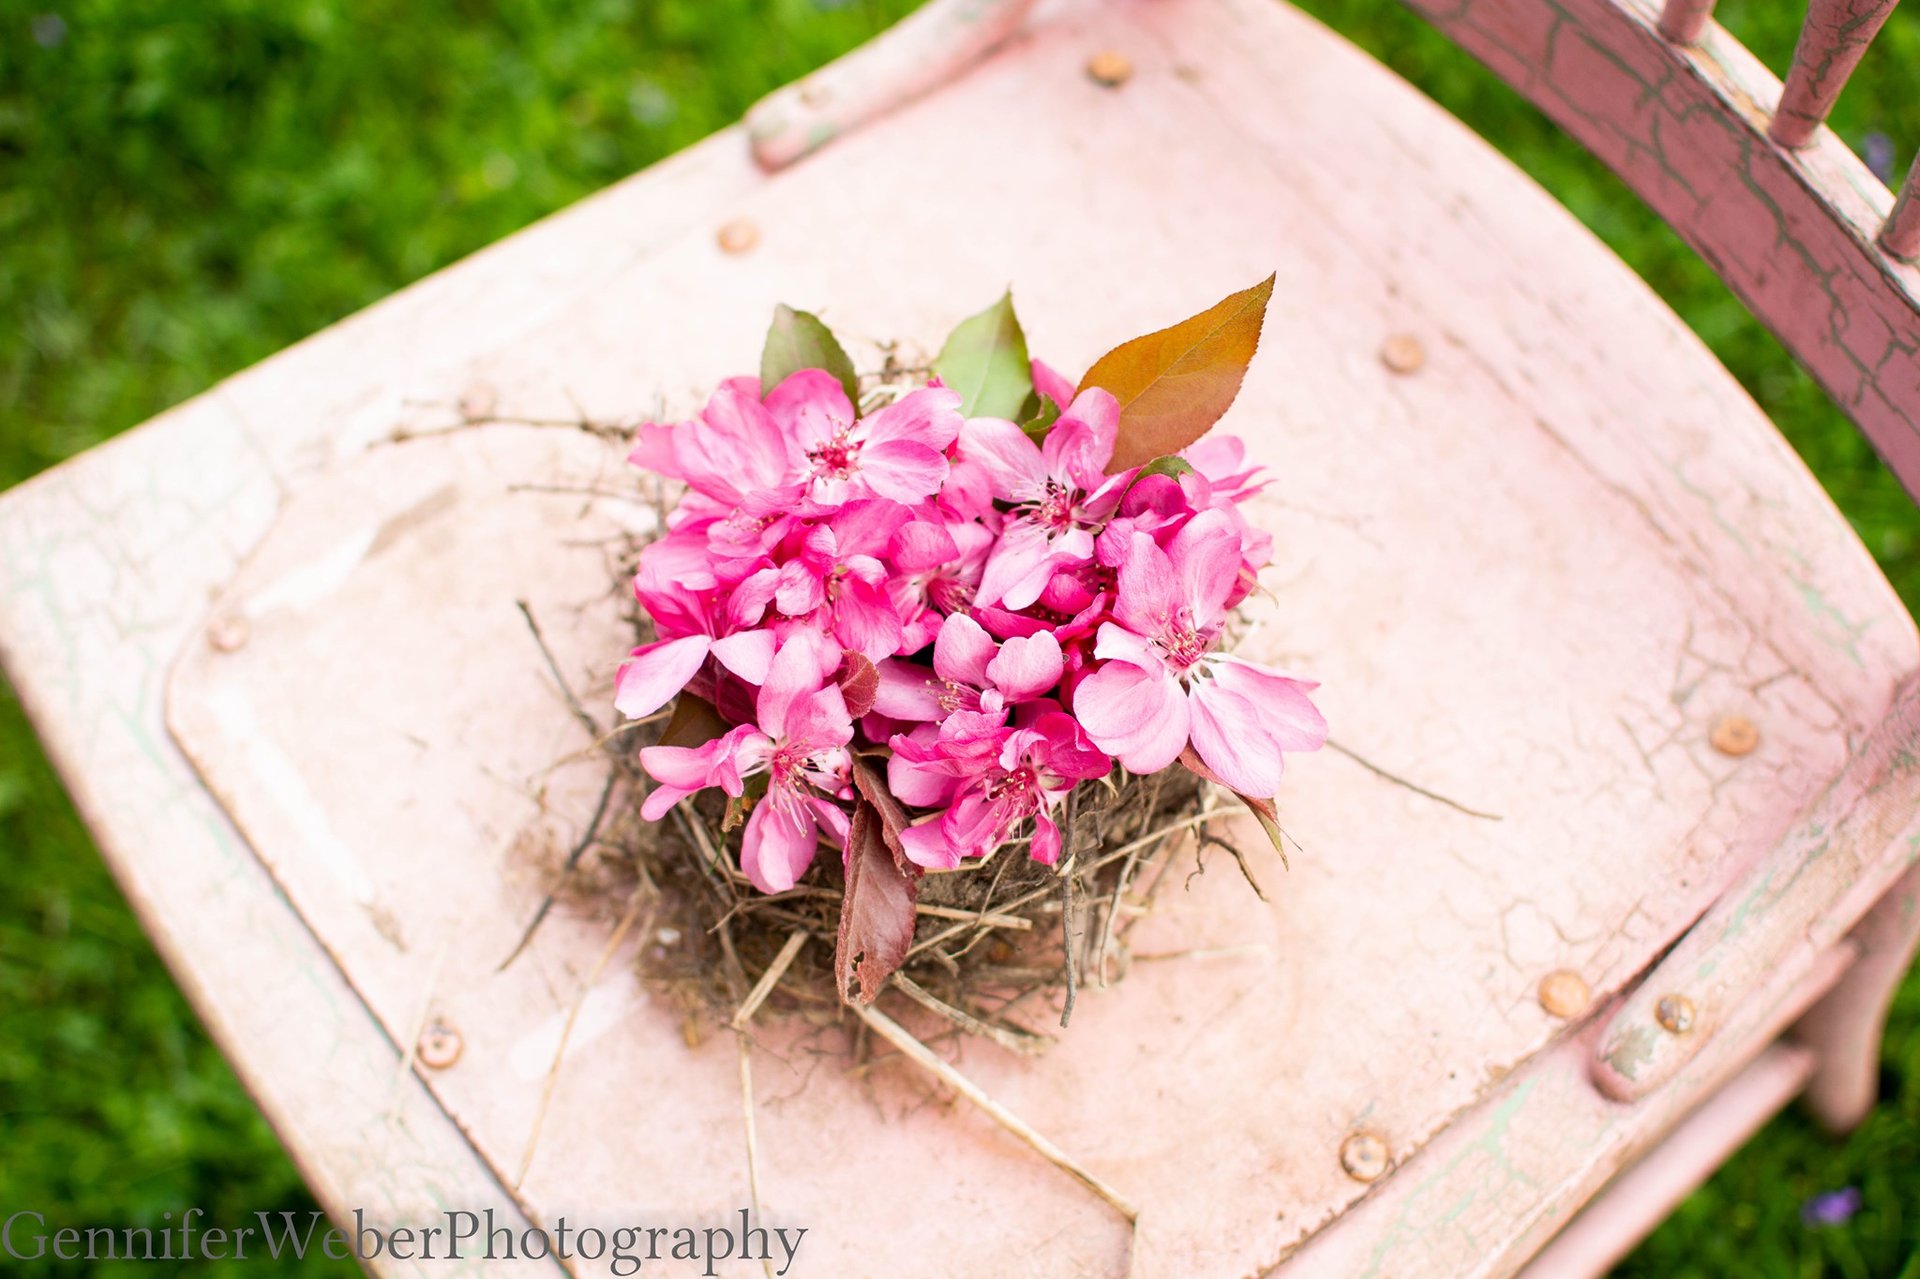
694, 722
877, 913
1175, 384
859, 681
872, 785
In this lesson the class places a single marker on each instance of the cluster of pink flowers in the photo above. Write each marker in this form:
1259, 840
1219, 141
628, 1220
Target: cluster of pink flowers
1000, 618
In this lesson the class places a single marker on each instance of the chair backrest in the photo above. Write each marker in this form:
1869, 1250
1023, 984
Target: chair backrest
1741, 167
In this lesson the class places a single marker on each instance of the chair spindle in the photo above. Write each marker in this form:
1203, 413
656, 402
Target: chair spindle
1832, 39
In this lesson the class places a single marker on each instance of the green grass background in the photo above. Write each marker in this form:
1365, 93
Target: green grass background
186, 188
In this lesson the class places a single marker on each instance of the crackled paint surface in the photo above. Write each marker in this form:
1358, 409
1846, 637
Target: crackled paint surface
1791, 231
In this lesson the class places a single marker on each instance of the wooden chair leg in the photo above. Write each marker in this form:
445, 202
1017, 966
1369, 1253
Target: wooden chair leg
1844, 1028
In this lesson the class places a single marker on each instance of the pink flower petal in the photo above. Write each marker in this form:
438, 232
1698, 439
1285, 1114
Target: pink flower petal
1149, 588
811, 407
1138, 718
1045, 848
903, 470
1049, 382
924, 545
682, 770
1080, 444
1286, 712
1011, 460
778, 844
1206, 555
928, 417
865, 527
1230, 740
864, 619
818, 720
1117, 643
739, 448
747, 654
657, 672
926, 845
800, 666
1026, 668
906, 691
963, 651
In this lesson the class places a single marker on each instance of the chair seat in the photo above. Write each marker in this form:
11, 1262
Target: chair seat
1536, 552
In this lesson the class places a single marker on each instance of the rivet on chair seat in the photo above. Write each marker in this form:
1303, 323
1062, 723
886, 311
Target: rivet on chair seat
1674, 1013
1110, 67
1403, 354
229, 633
738, 236
1364, 1156
440, 1045
1734, 735
1564, 993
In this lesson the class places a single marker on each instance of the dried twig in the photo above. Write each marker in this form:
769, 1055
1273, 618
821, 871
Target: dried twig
566, 870
1024, 1042
925, 1058
768, 980
566, 1030
1417, 789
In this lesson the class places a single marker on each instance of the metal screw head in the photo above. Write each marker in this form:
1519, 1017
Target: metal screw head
1734, 735
738, 236
1674, 1013
229, 633
1110, 67
440, 1045
1403, 354
1364, 1156
1564, 993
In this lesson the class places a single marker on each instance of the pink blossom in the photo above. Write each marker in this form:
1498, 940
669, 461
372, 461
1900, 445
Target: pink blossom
800, 742
1162, 684
898, 452
937, 567
804, 440
1060, 491
1006, 776
833, 578
970, 674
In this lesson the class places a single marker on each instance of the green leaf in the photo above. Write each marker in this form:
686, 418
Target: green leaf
1042, 419
798, 340
1173, 385
985, 359
1174, 466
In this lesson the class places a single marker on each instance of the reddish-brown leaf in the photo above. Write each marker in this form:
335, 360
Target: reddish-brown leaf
872, 785
877, 913
859, 681
694, 722
1175, 384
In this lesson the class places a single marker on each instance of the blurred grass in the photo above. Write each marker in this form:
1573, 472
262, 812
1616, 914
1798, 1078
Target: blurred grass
184, 190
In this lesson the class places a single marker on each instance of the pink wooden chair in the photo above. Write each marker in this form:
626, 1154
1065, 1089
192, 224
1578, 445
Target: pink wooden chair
1615, 857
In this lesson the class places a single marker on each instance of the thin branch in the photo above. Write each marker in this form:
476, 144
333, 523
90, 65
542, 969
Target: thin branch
1024, 1042
553, 665
566, 1033
1417, 789
768, 980
925, 1058
566, 871
753, 1133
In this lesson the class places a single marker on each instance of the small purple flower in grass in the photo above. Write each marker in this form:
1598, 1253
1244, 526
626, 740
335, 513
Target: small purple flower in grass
1830, 1208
